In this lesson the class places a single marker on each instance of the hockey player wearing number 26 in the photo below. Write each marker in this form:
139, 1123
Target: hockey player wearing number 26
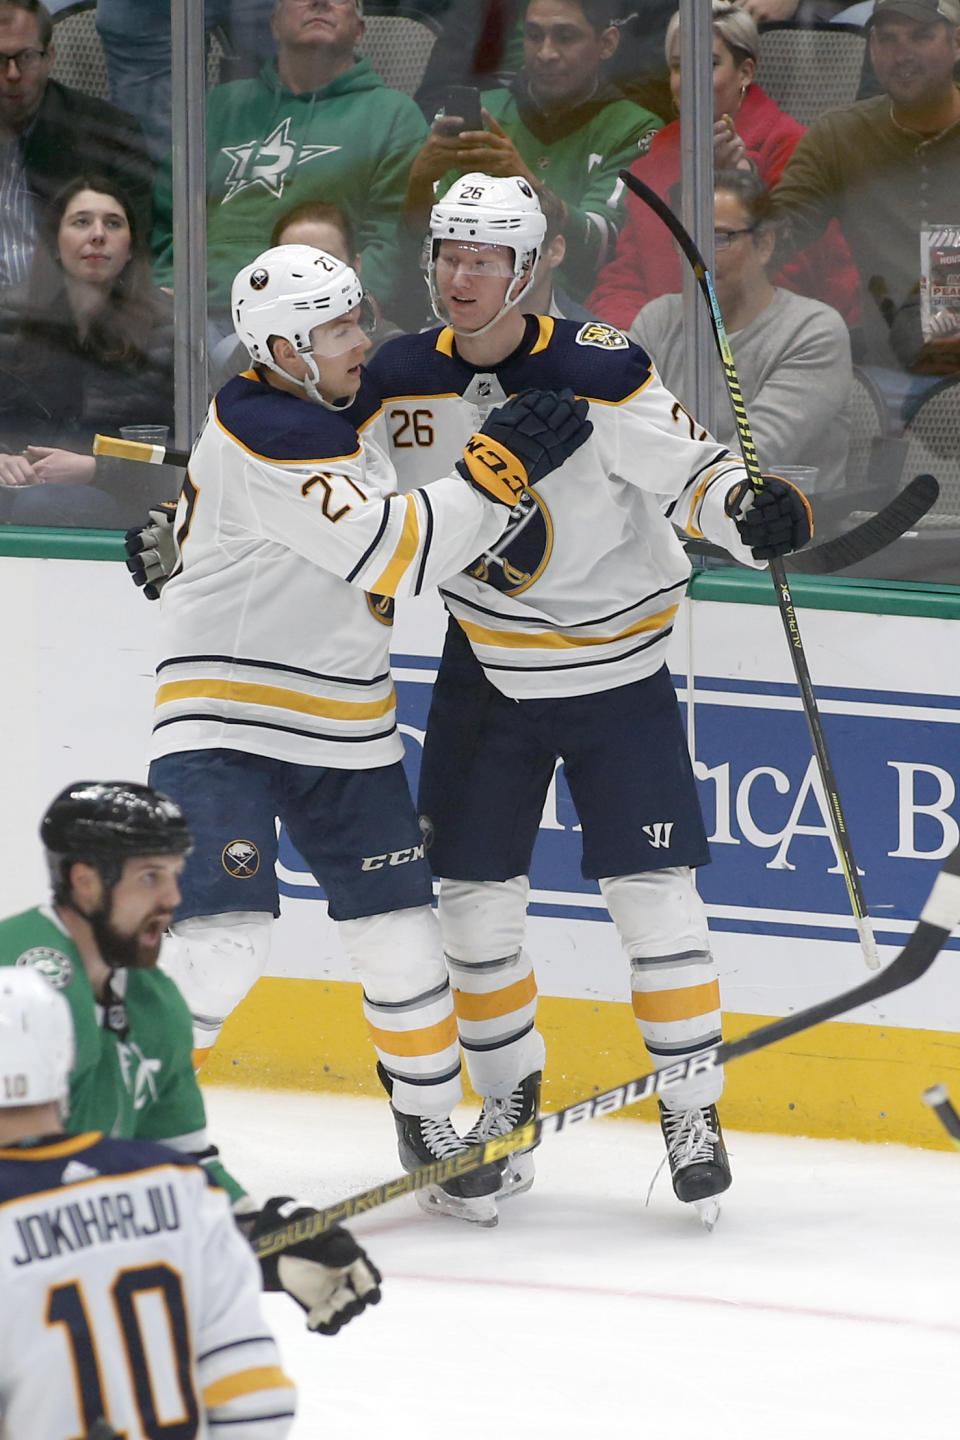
556, 648
275, 698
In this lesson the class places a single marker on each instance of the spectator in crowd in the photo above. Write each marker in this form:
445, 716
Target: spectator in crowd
559, 125
50, 133
886, 168
316, 121
325, 227
85, 345
542, 296
135, 35
792, 354
749, 133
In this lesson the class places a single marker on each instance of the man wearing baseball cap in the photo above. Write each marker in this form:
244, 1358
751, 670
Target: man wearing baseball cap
886, 167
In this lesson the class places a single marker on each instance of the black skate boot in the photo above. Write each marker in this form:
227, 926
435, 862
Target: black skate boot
423, 1140
699, 1167
499, 1117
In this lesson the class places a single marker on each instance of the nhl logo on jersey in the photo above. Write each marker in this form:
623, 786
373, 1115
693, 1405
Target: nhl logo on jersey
241, 859
53, 965
605, 337
259, 279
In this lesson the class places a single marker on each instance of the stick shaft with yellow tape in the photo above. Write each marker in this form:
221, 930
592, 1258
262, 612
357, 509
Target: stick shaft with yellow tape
138, 450
788, 614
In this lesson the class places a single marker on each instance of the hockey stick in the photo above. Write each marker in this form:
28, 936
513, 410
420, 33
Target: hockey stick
881, 530
939, 1101
139, 450
939, 916
785, 605
858, 544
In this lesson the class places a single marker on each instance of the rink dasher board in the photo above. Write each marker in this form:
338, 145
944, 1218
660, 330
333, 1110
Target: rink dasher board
80, 662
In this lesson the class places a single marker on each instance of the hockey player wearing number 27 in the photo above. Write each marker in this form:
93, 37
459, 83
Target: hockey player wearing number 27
556, 648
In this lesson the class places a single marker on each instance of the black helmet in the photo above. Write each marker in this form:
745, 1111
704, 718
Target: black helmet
104, 823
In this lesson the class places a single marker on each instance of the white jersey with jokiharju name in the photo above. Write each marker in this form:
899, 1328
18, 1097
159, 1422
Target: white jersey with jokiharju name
129, 1295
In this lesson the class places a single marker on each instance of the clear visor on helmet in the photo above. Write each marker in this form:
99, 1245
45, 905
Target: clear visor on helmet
456, 258
346, 332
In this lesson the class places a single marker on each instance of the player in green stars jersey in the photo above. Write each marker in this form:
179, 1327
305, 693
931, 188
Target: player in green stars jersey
116, 851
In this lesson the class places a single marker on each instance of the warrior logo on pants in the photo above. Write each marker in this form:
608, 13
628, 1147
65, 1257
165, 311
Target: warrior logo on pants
241, 859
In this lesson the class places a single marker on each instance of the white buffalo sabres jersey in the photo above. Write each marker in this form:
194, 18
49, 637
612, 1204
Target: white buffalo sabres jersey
581, 593
275, 627
128, 1294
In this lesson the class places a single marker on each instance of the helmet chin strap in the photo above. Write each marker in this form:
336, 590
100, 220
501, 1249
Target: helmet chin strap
309, 385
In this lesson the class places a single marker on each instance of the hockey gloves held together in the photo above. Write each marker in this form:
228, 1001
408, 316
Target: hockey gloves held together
773, 521
522, 441
329, 1276
151, 548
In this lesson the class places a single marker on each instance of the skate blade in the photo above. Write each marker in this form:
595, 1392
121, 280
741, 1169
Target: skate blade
518, 1176
708, 1211
478, 1210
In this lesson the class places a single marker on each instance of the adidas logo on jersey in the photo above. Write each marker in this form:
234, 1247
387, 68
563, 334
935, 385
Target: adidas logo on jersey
659, 833
75, 1171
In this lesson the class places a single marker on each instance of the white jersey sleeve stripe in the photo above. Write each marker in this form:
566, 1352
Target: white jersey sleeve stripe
404, 551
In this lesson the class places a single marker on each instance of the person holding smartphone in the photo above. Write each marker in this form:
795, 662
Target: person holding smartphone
549, 126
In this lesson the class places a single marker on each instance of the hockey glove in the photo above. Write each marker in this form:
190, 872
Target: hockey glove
773, 521
329, 1276
152, 551
524, 440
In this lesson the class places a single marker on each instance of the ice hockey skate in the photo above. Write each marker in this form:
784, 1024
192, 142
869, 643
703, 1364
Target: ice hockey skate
499, 1117
425, 1139
699, 1167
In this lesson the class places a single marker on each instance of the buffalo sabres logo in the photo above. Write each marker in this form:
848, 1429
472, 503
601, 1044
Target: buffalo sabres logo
54, 966
381, 607
520, 556
241, 859
524, 189
605, 337
259, 279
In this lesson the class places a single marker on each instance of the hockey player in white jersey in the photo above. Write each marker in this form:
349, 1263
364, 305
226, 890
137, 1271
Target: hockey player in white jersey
275, 697
129, 1295
556, 648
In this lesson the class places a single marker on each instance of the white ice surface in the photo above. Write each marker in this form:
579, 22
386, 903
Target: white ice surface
824, 1306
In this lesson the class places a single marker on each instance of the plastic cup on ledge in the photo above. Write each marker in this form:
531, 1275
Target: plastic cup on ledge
146, 434
803, 476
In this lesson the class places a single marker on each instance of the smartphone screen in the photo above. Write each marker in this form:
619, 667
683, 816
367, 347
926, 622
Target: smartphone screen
464, 100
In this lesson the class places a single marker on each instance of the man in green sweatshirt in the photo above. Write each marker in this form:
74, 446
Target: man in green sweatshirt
316, 124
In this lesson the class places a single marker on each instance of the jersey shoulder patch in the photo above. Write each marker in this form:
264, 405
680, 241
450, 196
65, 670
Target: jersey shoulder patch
603, 336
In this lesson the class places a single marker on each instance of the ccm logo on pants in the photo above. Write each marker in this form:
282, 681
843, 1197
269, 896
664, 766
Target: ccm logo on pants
395, 857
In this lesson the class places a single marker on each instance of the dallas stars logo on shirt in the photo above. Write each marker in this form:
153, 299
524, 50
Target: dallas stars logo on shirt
268, 162
139, 1073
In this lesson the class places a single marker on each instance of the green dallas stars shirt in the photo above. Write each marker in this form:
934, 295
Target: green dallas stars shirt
140, 1084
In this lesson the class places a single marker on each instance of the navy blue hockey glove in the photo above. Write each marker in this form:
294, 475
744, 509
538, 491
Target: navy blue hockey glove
329, 1276
522, 441
152, 552
773, 521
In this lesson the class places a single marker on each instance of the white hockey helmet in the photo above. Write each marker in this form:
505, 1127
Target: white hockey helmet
36, 1039
488, 210
288, 291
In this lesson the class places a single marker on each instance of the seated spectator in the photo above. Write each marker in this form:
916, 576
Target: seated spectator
85, 346
885, 168
135, 35
559, 125
792, 354
317, 121
325, 227
542, 296
50, 133
749, 133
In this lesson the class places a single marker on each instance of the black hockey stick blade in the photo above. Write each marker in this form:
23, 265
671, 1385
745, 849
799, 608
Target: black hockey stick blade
939, 917
881, 530
872, 535
939, 1101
